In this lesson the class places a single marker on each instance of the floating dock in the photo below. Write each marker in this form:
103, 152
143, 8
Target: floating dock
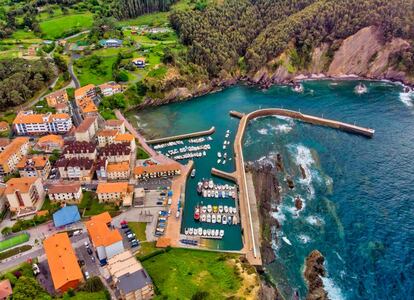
182, 136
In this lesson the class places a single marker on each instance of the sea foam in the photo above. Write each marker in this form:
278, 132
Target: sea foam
334, 292
407, 98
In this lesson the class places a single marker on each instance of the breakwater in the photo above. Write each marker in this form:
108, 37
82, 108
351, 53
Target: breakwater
182, 136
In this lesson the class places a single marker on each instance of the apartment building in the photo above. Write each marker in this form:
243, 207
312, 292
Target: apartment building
117, 192
118, 125
57, 97
115, 153
49, 143
126, 138
34, 166
12, 154
157, 171
80, 169
25, 193
110, 88
118, 171
4, 142
87, 129
30, 123
69, 193
87, 91
75, 149
106, 137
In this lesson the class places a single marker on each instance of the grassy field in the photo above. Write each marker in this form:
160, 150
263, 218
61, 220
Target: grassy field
58, 27
14, 241
139, 229
87, 75
181, 273
92, 205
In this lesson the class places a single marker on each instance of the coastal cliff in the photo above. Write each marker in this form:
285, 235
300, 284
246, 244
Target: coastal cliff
314, 271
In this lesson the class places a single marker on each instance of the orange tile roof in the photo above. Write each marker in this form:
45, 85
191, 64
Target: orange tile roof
4, 142
22, 184
61, 106
86, 124
64, 188
30, 118
114, 122
124, 137
100, 233
104, 217
51, 138
109, 86
4, 124
107, 132
155, 168
12, 148
57, 94
62, 260
5, 289
112, 187
40, 161
80, 92
118, 167
90, 107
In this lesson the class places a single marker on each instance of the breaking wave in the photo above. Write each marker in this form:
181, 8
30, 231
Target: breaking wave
304, 238
407, 98
314, 220
334, 292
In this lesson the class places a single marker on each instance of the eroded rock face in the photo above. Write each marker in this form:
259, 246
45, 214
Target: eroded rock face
314, 271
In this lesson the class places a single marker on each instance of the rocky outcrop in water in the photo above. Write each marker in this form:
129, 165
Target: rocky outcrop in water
314, 271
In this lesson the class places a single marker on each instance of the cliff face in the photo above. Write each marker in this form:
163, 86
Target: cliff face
314, 271
363, 54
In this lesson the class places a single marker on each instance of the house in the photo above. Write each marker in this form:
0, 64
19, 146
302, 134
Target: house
139, 62
126, 138
58, 97
111, 43
65, 193
157, 171
87, 107
118, 171
118, 125
106, 137
5, 289
49, 143
129, 277
29, 123
115, 153
67, 215
110, 88
87, 91
87, 129
3, 143
32, 50
25, 194
62, 108
34, 166
63, 263
75, 149
4, 126
106, 240
12, 154
118, 192
80, 169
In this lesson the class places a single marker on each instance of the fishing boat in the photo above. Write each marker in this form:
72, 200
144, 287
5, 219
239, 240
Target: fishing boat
190, 231
211, 184
218, 218
226, 209
203, 217
193, 173
221, 209
219, 154
285, 239
361, 89
208, 218
200, 230
204, 231
213, 219
209, 208
224, 219
221, 233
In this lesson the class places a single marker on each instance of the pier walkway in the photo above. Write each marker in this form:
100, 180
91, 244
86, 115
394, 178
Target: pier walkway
182, 136
248, 206
225, 175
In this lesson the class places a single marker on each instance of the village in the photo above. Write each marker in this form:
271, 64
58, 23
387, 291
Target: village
73, 197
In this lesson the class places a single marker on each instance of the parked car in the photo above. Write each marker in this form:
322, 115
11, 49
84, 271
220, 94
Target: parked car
81, 262
131, 236
89, 251
159, 202
124, 226
86, 244
36, 269
87, 275
128, 231
135, 244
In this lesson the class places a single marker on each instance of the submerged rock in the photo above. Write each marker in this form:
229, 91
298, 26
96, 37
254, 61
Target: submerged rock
298, 203
314, 271
290, 183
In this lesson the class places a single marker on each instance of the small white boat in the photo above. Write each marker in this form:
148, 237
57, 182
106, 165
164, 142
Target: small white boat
217, 232
228, 131
218, 218
204, 153
208, 218
204, 193
224, 147
190, 231
227, 135
193, 173
224, 219
234, 219
361, 89
203, 217
218, 154
211, 184
225, 155
213, 219
229, 220
224, 162
221, 232
226, 209
298, 88
208, 194
223, 194
208, 231
285, 239
204, 231
209, 208
186, 231
204, 209
221, 209
216, 194
200, 230
219, 161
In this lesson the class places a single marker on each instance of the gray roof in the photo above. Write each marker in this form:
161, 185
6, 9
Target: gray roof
131, 282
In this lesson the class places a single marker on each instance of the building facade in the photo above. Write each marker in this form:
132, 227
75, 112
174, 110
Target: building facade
25, 193
34, 166
12, 155
70, 193
29, 123
87, 129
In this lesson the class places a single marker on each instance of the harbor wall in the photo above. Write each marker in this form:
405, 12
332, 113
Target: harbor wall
182, 136
222, 174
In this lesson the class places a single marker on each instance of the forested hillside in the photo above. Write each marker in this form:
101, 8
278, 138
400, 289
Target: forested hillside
248, 34
134, 8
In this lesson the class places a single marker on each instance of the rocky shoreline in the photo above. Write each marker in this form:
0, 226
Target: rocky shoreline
314, 271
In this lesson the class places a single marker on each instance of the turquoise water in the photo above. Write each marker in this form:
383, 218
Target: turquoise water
358, 194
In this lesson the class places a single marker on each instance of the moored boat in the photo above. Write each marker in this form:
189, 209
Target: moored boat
213, 219
224, 219
208, 218
221, 232
193, 173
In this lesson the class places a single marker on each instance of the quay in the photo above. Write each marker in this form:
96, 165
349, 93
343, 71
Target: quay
225, 175
368, 132
182, 136
249, 215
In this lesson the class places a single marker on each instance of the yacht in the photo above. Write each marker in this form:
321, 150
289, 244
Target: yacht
221, 209
193, 173
221, 233
209, 208
218, 218
226, 209
208, 218
361, 89
224, 219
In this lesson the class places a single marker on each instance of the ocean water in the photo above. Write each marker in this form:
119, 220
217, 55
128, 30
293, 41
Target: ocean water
358, 193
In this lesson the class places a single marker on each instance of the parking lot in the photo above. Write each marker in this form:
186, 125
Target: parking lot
88, 261
154, 184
